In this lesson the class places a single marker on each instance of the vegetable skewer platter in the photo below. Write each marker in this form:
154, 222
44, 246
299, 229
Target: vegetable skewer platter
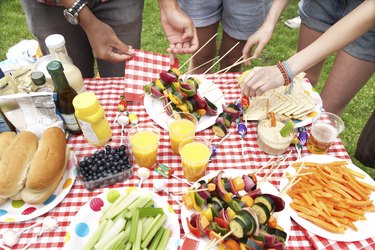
128, 218
349, 203
186, 93
228, 207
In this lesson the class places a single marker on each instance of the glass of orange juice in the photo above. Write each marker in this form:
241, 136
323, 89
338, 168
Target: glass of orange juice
144, 141
195, 153
181, 125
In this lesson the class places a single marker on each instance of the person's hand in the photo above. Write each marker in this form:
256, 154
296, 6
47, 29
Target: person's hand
179, 30
258, 40
105, 43
261, 79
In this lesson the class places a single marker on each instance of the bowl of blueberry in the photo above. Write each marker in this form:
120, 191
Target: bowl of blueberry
104, 166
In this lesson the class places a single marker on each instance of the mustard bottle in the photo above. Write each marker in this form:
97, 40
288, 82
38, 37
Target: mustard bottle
91, 118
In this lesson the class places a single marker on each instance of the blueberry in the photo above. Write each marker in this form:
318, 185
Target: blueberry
122, 147
108, 148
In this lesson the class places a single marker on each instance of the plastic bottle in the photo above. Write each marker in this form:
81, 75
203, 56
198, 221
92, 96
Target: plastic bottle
40, 83
56, 46
91, 118
64, 96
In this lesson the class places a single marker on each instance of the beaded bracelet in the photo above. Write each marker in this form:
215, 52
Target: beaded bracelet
288, 70
284, 73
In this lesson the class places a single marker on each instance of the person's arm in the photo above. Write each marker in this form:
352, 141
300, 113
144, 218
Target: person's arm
263, 35
178, 27
349, 28
103, 40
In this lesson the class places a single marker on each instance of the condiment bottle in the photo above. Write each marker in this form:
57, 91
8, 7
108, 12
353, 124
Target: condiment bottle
40, 82
56, 46
64, 96
91, 118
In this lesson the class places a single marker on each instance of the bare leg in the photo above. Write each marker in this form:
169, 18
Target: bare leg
209, 50
348, 76
305, 37
226, 44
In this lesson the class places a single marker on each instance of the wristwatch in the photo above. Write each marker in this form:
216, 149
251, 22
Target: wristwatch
71, 14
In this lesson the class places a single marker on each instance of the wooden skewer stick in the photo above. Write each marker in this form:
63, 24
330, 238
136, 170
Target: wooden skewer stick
282, 177
226, 92
182, 180
215, 242
213, 59
220, 58
268, 163
292, 182
191, 191
225, 70
235, 64
279, 165
188, 60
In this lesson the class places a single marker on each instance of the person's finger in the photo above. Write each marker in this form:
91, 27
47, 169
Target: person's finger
258, 49
254, 87
247, 50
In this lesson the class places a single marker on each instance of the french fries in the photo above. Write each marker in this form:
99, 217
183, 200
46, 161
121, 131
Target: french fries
333, 197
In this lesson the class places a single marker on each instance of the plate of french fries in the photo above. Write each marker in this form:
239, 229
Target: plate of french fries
331, 198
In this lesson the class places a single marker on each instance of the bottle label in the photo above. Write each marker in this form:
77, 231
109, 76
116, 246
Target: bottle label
88, 131
71, 122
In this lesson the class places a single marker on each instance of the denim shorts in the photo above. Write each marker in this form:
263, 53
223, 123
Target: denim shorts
239, 18
320, 15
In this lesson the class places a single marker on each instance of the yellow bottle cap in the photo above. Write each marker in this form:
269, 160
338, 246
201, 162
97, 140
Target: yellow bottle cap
86, 103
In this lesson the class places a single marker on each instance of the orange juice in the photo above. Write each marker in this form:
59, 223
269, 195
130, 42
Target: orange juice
195, 156
144, 145
179, 130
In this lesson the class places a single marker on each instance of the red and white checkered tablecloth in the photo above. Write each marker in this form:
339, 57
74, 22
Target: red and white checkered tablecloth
142, 69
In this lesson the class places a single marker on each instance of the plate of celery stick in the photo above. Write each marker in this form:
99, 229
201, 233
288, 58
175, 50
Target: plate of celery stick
124, 218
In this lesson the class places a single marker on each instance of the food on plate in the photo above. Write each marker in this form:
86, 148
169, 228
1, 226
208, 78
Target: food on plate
180, 95
235, 205
47, 167
298, 104
105, 167
14, 165
5, 139
333, 197
131, 221
274, 140
230, 113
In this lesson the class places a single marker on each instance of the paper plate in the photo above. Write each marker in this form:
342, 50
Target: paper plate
283, 218
155, 107
18, 210
366, 228
85, 222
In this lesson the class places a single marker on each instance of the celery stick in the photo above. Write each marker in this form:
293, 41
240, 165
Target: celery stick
155, 241
154, 221
153, 231
164, 240
122, 205
137, 243
113, 241
147, 222
121, 215
128, 246
143, 200
112, 206
134, 226
150, 203
108, 227
95, 236
150, 212
117, 227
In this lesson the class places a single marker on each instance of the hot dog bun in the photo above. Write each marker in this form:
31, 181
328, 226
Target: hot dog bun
47, 167
5, 140
15, 163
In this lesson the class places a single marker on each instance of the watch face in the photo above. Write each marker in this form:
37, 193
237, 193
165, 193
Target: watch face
70, 18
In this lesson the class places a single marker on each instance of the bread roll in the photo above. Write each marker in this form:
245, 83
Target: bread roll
5, 140
47, 167
16, 162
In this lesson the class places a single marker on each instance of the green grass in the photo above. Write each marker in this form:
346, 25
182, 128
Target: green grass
282, 45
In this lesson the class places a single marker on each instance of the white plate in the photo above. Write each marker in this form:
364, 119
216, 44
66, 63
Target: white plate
366, 228
155, 107
283, 218
85, 222
15, 211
